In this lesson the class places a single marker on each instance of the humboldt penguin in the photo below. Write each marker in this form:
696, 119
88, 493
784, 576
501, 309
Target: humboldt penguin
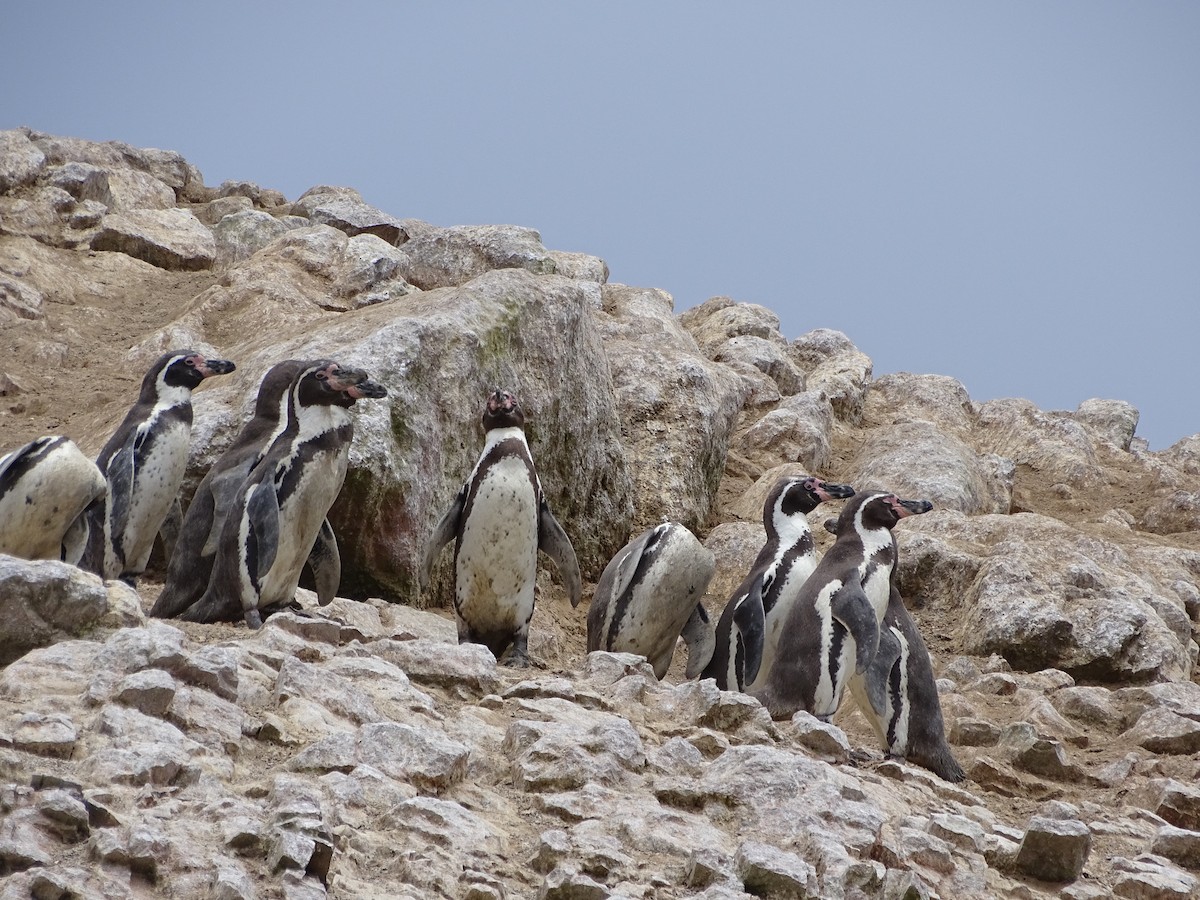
191, 563
899, 696
45, 489
649, 596
498, 521
143, 463
832, 630
785, 562
280, 507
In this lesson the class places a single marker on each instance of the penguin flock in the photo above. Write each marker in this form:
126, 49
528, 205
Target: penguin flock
797, 633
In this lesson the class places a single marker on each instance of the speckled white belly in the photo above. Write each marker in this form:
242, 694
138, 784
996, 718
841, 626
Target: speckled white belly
155, 489
497, 553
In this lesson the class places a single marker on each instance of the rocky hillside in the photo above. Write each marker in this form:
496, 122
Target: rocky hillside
356, 750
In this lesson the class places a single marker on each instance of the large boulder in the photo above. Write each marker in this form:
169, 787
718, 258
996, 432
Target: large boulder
1044, 595
676, 408
167, 238
438, 353
44, 601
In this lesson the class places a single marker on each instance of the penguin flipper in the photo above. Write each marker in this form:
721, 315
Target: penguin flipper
880, 671
169, 530
446, 528
627, 561
11, 459
325, 560
853, 610
553, 541
223, 489
701, 641
120, 474
262, 509
751, 620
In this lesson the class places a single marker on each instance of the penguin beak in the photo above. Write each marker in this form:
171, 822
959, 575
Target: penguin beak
906, 508
372, 390
827, 490
210, 367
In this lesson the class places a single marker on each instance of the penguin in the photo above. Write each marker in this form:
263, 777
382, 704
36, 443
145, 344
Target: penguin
763, 599
143, 463
190, 564
899, 696
831, 633
45, 489
278, 511
499, 520
649, 596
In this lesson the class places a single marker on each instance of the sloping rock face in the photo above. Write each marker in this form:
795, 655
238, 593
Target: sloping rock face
357, 750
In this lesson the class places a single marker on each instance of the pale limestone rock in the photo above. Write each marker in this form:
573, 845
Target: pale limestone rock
902, 397
214, 211
43, 601
769, 871
19, 300
1152, 876
798, 430
676, 409
834, 367
241, 234
1054, 849
1162, 731
344, 209
579, 266
718, 319
168, 238
1055, 446
765, 355
20, 160
1113, 421
917, 459
448, 257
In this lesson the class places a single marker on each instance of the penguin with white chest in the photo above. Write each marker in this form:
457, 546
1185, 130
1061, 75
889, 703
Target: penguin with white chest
750, 625
498, 521
649, 596
281, 505
45, 489
831, 633
899, 696
144, 463
191, 563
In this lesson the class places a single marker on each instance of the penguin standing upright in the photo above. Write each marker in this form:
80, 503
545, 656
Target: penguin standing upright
280, 506
499, 520
190, 565
45, 488
750, 625
899, 696
832, 630
143, 463
649, 596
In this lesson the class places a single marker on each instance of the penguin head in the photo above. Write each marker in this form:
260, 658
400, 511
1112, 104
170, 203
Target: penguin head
274, 387
324, 382
184, 369
880, 509
502, 410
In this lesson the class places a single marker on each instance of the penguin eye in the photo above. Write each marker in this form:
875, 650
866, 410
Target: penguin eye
189, 362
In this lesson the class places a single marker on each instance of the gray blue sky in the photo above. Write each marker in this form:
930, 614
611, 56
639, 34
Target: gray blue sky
1008, 193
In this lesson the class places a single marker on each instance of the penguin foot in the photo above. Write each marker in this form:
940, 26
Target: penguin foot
515, 660
253, 619
129, 579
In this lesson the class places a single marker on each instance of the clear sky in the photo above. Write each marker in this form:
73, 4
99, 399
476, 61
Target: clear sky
1008, 193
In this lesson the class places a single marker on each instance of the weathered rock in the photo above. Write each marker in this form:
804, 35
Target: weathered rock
769, 872
1151, 876
239, 235
834, 367
1055, 446
344, 209
1162, 731
19, 300
718, 319
20, 160
798, 430
1054, 849
900, 398
1175, 513
168, 238
661, 383
42, 601
448, 257
917, 459
1113, 421
765, 355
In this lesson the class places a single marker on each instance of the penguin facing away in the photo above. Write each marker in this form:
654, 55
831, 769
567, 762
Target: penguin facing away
832, 630
750, 625
45, 488
280, 507
143, 463
899, 696
649, 596
498, 521
190, 565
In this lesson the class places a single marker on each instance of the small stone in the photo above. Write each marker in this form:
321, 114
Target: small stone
767, 871
1054, 849
150, 691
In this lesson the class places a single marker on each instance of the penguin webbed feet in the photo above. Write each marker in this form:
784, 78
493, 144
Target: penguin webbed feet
253, 619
